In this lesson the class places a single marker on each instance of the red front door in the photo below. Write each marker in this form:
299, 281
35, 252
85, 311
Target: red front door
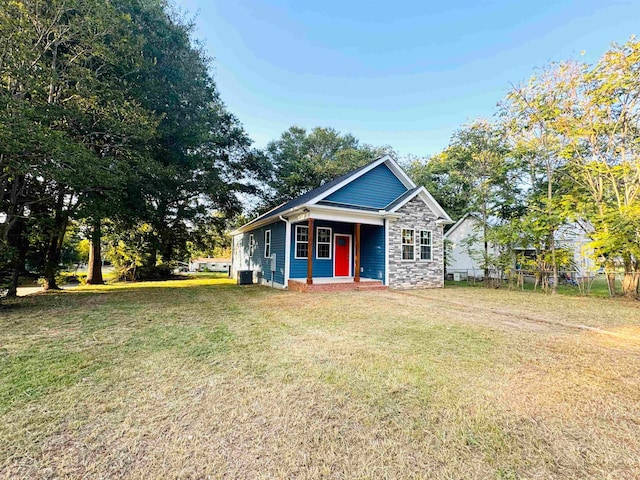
342, 254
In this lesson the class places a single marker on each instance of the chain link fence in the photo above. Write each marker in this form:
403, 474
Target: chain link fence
575, 281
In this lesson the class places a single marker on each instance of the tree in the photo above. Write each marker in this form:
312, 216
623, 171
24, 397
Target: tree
531, 114
446, 181
300, 161
67, 115
109, 112
473, 174
602, 128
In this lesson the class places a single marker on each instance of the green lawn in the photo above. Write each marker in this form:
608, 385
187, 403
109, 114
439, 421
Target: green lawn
598, 287
200, 378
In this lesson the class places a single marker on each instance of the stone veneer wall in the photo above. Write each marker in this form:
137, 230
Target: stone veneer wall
416, 273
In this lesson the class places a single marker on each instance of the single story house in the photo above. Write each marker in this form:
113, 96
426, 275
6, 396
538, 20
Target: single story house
370, 225
209, 265
465, 249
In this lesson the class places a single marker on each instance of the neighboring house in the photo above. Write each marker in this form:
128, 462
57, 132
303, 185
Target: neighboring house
461, 251
574, 237
373, 224
463, 255
210, 265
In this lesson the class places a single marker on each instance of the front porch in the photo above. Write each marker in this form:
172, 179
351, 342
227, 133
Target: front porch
335, 284
336, 254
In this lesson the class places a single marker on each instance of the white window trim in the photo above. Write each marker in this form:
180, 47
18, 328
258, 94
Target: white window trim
402, 244
252, 245
267, 244
419, 240
295, 251
330, 243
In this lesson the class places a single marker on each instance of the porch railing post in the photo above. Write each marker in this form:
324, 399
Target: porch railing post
356, 276
310, 253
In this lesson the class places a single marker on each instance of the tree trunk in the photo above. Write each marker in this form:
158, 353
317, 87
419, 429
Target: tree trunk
554, 266
94, 274
55, 246
12, 290
51, 265
611, 283
630, 284
552, 237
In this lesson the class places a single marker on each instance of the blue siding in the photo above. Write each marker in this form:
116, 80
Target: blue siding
322, 267
372, 262
257, 260
376, 188
371, 251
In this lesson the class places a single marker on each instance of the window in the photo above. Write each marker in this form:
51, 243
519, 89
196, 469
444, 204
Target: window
408, 244
425, 245
302, 241
252, 244
323, 242
267, 243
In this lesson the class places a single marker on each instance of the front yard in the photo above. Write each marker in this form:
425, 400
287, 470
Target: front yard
203, 379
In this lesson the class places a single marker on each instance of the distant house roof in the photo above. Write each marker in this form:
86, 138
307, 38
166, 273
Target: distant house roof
318, 196
210, 260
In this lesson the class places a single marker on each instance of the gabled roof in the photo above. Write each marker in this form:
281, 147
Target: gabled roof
460, 222
318, 195
305, 198
402, 199
426, 197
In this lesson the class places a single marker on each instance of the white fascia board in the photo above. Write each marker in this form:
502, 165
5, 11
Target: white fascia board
456, 225
386, 159
265, 221
431, 202
321, 212
399, 172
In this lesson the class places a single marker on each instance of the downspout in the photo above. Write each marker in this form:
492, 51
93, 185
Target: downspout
287, 250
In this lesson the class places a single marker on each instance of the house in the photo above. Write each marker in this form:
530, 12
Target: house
465, 249
372, 225
575, 238
209, 265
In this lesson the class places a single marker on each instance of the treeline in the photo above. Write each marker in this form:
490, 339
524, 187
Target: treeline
112, 130
564, 148
111, 124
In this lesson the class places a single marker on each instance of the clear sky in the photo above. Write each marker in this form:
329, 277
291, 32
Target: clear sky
400, 73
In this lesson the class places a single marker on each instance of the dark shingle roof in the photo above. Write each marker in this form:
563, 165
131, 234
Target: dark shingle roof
305, 197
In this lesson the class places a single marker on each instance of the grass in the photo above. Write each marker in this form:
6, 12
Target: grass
200, 378
598, 288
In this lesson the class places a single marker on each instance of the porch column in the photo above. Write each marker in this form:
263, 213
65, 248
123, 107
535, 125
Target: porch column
310, 253
356, 276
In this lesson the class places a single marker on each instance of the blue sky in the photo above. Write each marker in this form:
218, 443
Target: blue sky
405, 73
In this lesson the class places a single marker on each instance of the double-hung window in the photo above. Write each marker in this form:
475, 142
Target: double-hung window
302, 241
425, 245
323, 242
408, 244
267, 243
252, 244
